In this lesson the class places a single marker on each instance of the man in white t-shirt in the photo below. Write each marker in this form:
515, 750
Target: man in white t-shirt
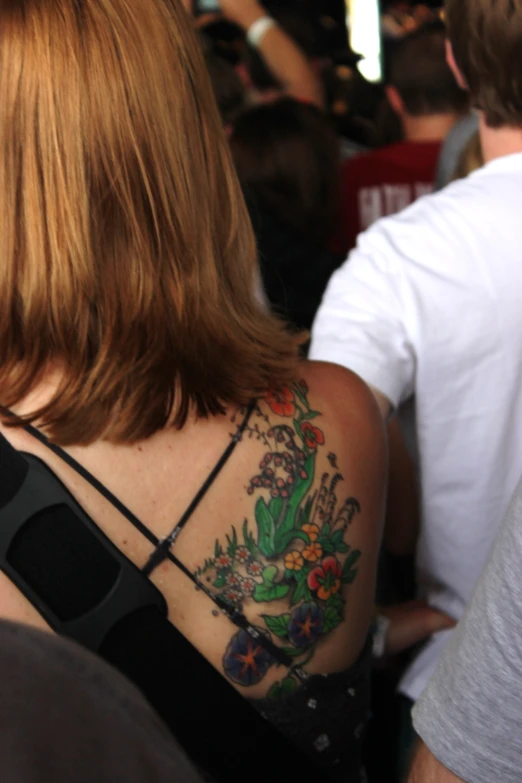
429, 306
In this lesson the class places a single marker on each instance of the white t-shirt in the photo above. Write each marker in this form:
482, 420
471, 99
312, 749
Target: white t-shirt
430, 303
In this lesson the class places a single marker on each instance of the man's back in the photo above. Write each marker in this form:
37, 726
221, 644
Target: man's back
383, 182
429, 304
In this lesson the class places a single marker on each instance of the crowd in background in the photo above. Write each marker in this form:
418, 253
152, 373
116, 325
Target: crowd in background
321, 152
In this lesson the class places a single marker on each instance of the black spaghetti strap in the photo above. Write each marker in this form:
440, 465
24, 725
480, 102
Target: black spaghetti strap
161, 552
234, 615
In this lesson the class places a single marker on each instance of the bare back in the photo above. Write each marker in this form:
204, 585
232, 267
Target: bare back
288, 532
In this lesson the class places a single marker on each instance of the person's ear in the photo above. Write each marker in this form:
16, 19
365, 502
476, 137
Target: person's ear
395, 100
457, 73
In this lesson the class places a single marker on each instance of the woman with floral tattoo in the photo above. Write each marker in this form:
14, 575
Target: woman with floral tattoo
194, 454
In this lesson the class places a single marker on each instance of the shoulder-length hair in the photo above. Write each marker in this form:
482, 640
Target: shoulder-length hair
127, 255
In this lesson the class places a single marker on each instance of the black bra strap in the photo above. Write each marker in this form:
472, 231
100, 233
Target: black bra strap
162, 550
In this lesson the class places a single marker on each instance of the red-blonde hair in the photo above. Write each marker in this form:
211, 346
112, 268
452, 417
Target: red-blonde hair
128, 258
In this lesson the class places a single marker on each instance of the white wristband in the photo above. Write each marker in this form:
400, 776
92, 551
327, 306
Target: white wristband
257, 31
380, 629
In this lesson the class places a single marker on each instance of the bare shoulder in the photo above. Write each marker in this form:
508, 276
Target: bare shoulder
337, 384
345, 399
355, 434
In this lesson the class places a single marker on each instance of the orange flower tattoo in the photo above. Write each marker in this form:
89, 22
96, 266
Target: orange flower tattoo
313, 552
313, 435
281, 401
312, 531
294, 561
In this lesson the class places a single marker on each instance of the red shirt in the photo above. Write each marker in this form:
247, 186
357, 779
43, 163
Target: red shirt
383, 182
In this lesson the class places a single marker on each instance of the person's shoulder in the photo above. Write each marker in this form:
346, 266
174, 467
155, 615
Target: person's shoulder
354, 436
435, 228
336, 384
347, 403
463, 192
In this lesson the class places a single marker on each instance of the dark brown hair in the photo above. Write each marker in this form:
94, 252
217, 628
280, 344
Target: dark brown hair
486, 36
287, 157
128, 258
227, 86
421, 75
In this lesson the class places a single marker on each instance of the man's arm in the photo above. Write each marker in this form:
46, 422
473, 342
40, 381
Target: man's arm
281, 54
426, 769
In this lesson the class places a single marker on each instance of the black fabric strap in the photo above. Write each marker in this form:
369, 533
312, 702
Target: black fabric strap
116, 502
13, 471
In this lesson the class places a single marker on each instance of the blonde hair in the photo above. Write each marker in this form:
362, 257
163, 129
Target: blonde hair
127, 253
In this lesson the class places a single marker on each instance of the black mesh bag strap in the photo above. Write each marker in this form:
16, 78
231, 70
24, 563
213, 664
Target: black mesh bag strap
55, 554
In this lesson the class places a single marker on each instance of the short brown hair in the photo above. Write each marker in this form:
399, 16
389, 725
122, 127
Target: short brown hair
288, 159
486, 36
128, 258
421, 75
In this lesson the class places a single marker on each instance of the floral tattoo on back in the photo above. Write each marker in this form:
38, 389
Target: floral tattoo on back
297, 554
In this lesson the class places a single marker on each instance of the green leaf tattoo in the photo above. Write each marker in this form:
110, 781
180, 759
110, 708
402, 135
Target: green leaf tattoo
278, 625
332, 618
349, 571
269, 591
283, 688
